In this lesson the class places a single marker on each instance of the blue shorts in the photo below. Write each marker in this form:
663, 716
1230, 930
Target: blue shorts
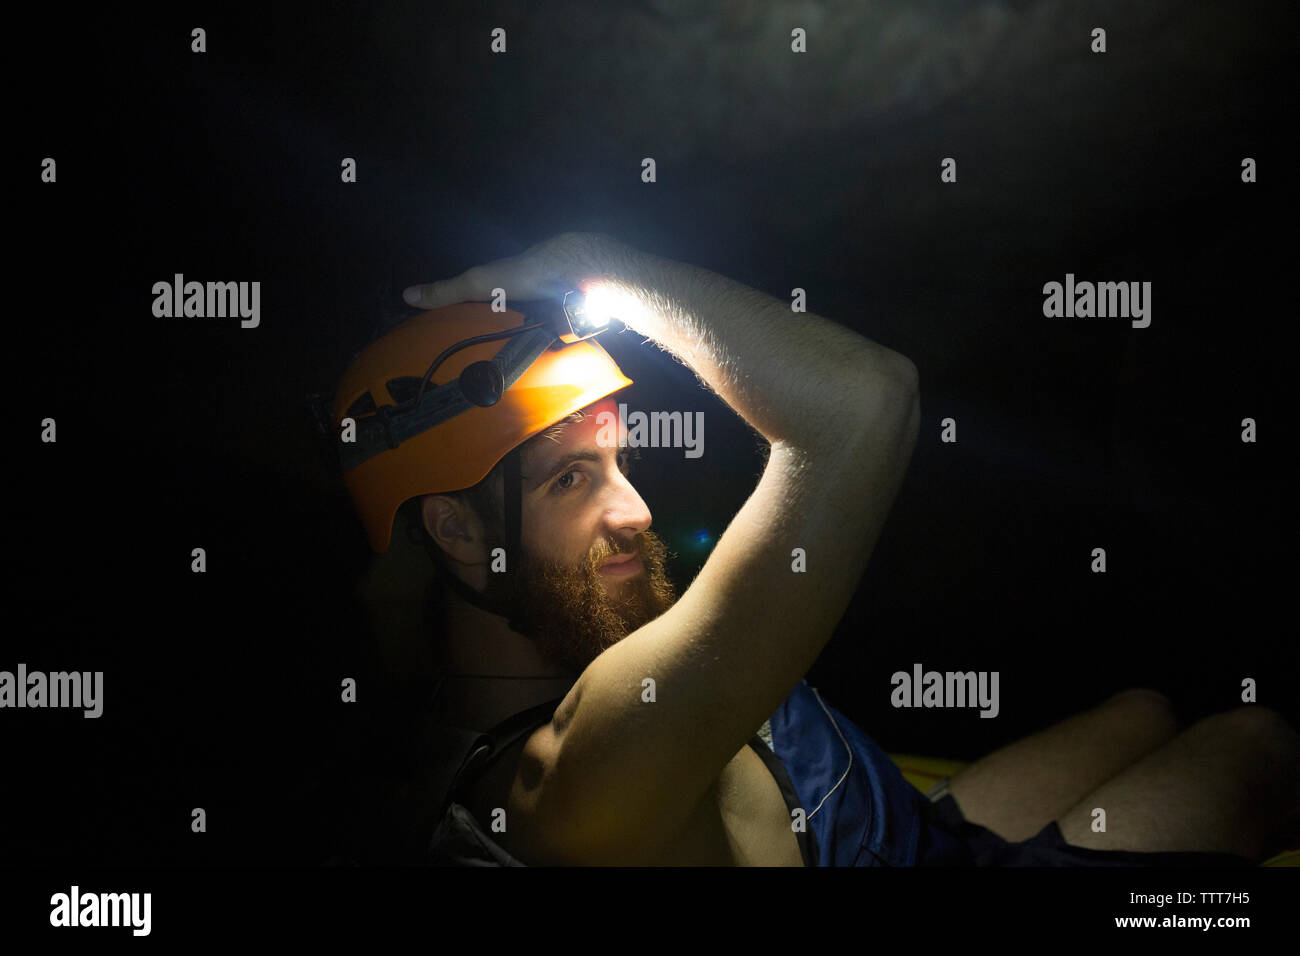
861, 812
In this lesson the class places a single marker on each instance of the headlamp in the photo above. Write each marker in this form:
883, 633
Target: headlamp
579, 317
586, 314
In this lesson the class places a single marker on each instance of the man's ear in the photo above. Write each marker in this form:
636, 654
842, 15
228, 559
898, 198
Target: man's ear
455, 528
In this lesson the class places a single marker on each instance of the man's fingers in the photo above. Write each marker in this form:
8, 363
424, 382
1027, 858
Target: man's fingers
418, 295
472, 285
434, 295
545, 270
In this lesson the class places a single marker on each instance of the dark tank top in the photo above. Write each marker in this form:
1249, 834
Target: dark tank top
510, 731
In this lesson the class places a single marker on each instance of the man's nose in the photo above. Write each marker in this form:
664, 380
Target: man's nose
625, 509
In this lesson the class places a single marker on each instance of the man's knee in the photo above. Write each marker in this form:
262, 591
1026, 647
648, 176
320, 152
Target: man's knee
1263, 727
1143, 695
1148, 708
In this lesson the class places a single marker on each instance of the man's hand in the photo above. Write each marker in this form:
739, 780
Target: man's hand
547, 270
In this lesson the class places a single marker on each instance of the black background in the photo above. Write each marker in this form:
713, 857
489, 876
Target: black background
819, 171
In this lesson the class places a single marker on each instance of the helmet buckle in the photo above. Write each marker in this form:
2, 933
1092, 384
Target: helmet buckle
384, 414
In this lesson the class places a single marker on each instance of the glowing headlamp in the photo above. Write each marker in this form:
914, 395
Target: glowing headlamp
586, 314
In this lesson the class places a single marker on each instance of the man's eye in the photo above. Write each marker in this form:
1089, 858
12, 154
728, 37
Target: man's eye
561, 484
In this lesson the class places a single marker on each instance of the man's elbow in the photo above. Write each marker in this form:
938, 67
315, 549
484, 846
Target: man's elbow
898, 370
886, 385
912, 376
874, 365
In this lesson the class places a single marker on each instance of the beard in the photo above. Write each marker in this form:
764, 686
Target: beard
575, 613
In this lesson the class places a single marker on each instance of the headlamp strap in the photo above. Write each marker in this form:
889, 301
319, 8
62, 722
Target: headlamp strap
391, 425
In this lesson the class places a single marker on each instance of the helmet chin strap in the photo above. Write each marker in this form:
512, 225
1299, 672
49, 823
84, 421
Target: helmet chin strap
477, 598
511, 607
514, 494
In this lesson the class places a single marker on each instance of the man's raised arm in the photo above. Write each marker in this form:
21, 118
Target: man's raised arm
779, 370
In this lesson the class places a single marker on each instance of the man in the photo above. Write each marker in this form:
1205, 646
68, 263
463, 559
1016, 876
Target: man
644, 761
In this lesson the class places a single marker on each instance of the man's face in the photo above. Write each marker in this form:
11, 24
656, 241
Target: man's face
592, 571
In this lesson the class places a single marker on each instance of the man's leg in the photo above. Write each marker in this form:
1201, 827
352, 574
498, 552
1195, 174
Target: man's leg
1018, 790
1228, 784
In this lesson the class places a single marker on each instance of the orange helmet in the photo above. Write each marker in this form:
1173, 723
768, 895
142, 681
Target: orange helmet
417, 437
